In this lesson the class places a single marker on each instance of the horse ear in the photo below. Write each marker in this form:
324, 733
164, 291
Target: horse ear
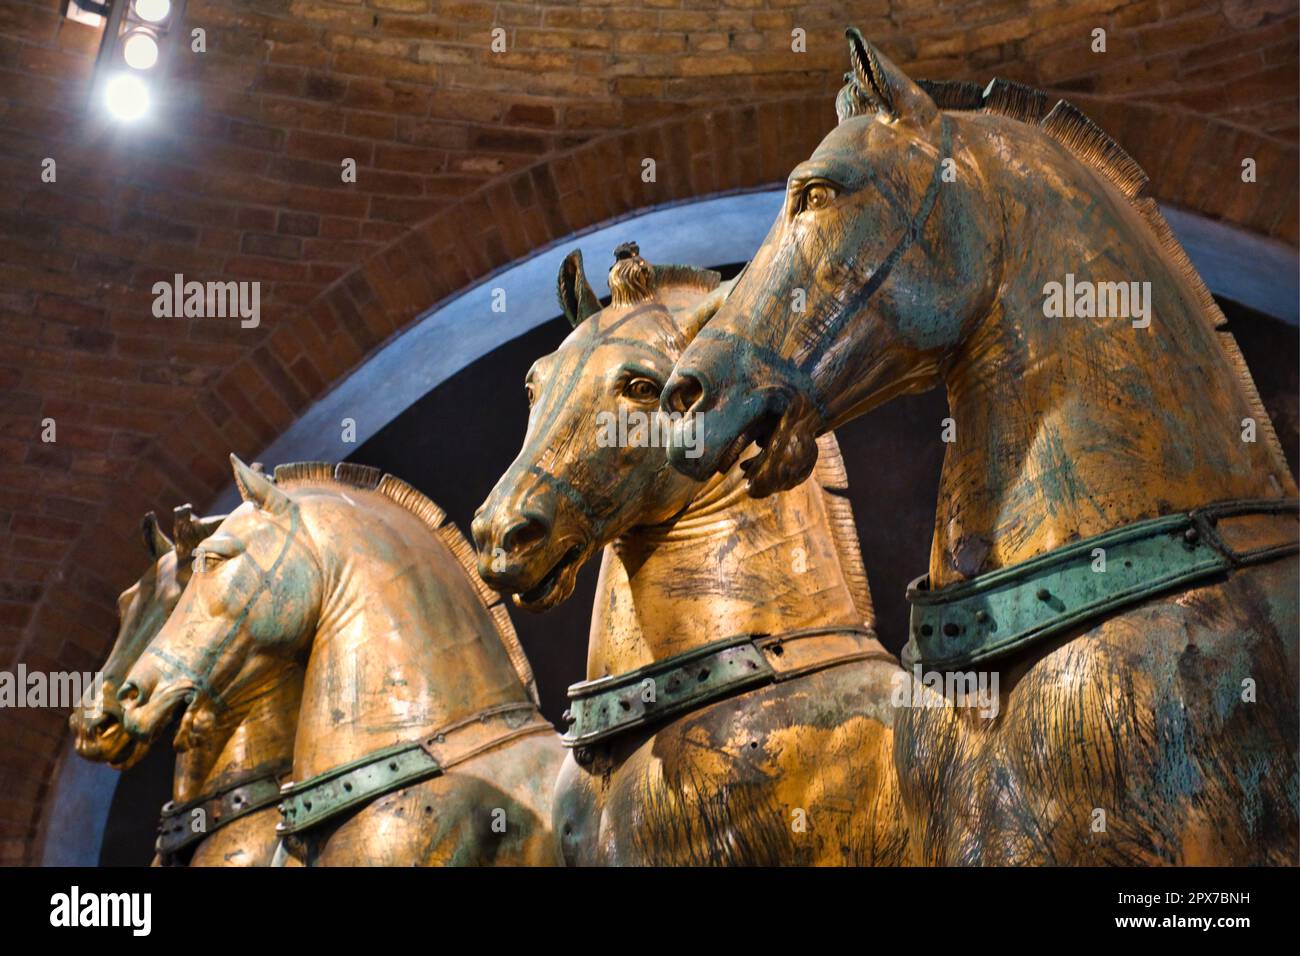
188, 530
155, 542
256, 487
576, 297
882, 87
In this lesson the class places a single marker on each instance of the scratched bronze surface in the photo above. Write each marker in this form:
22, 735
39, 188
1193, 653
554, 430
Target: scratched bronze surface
797, 772
923, 234
351, 587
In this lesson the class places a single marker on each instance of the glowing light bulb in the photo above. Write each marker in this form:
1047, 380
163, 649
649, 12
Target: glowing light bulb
140, 50
155, 11
127, 97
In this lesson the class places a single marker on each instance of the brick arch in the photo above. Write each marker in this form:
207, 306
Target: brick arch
592, 184
678, 106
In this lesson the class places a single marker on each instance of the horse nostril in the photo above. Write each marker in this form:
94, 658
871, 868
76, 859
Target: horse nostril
683, 392
524, 533
130, 693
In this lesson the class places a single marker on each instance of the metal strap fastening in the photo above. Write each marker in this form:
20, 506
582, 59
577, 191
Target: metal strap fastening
309, 803
1007, 609
177, 830
607, 706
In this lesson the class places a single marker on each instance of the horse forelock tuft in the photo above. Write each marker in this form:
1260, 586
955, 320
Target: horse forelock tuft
850, 100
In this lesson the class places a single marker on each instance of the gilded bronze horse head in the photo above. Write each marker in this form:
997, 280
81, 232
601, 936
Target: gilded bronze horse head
875, 269
220, 813
142, 610
574, 487
213, 655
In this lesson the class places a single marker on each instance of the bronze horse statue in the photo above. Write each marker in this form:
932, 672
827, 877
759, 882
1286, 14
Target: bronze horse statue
736, 709
223, 807
1116, 529
418, 738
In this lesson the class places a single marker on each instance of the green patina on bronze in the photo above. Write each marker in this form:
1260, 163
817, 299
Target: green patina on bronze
1006, 610
353, 784
176, 832
602, 708
608, 706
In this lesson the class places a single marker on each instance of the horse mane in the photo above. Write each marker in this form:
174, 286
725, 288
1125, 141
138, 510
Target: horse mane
1087, 142
833, 480
365, 478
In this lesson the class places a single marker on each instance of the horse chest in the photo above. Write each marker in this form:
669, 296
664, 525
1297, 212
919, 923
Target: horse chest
247, 842
1121, 746
667, 801
778, 776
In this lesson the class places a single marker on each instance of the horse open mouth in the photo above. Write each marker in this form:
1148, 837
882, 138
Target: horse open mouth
765, 412
119, 749
555, 586
108, 742
146, 721
787, 444
758, 433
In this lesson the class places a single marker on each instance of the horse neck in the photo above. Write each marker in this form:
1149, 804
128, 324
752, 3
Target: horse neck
261, 740
1067, 427
728, 565
403, 645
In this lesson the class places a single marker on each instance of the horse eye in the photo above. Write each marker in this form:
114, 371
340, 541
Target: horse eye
531, 392
818, 196
641, 390
206, 560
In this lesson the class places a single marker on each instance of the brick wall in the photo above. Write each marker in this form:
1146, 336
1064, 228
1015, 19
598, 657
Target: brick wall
467, 159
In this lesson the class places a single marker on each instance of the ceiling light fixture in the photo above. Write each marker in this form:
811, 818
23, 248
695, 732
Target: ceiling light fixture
140, 50
139, 38
127, 97
152, 11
